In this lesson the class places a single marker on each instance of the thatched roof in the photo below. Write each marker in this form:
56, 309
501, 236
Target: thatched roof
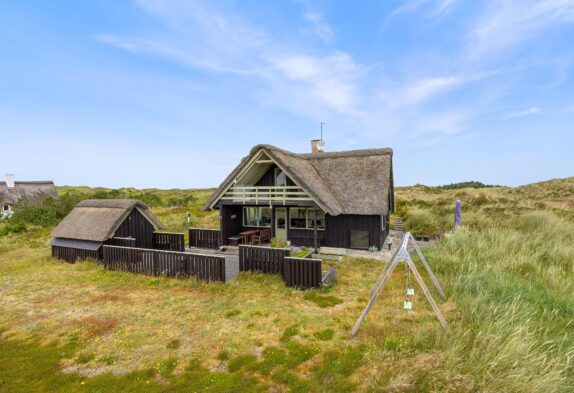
35, 192
348, 182
97, 219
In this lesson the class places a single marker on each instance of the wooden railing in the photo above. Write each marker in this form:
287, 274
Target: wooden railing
169, 241
302, 273
262, 259
204, 238
164, 263
256, 195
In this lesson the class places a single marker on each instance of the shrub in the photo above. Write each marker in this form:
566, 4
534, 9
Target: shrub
8, 228
421, 223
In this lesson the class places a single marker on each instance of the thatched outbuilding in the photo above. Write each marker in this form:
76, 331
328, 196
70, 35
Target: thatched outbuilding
95, 222
35, 192
335, 199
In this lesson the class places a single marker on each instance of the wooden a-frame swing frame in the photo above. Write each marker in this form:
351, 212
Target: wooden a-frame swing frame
402, 255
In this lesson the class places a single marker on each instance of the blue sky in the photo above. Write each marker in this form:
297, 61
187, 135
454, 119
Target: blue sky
171, 94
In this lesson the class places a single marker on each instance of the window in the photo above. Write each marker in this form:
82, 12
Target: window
280, 177
298, 218
6, 207
320, 215
257, 217
302, 218
359, 239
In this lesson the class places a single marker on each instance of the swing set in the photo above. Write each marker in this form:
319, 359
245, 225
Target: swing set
402, 255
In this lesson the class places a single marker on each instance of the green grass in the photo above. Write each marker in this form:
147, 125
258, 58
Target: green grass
322, 301
508, 275
324, 335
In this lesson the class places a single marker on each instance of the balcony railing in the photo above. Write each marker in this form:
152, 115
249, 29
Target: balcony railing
266, 195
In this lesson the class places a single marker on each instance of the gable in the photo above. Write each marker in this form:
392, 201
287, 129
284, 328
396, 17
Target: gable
269, 178
97, 220
351, 182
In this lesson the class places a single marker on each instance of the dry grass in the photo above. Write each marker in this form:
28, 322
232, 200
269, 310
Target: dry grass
133, 319
508, 276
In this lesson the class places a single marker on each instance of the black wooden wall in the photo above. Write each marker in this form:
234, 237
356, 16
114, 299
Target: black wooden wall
231, 221
338, 229
137, 226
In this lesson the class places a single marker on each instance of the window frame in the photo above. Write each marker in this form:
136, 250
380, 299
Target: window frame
308, 219
277, 172
258, 215
359, 232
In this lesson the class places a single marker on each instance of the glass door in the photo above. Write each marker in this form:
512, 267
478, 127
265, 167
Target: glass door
281, 224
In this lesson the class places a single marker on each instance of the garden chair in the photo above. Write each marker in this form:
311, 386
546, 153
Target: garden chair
263, 236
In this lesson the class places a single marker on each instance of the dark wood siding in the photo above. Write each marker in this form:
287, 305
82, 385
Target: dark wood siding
137, 226
338, 229
72, 255
230, 221
268, 179
305, 237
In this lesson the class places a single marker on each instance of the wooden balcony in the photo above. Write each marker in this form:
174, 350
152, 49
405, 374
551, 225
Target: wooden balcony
266, 195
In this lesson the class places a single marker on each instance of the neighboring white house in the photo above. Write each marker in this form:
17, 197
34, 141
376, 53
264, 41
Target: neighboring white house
12, 191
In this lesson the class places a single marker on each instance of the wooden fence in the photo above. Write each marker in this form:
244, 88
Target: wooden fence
204, 238
122, 241
73, 254
164, 263
168, 241
302, 273
262, 259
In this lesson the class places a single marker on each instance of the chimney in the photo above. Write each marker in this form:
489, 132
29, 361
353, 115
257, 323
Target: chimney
317, 146
9, 180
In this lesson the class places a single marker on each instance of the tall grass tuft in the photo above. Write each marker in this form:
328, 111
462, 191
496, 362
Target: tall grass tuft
513, 285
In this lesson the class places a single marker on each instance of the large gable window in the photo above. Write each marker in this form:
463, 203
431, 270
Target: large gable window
280, 177
303, 218
257, 217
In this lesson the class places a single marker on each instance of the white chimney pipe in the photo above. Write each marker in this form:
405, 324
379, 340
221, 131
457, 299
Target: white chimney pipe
9, 180
317, 146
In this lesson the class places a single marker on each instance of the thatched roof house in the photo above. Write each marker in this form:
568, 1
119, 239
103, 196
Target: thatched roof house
351, 191
95, 222
35, 192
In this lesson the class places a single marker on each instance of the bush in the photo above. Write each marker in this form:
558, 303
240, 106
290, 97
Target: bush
7, 228
421, 223
50, 213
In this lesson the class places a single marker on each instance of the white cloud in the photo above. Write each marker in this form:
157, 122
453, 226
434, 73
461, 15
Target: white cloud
530, 111
217, 40
330, 82
320, 27
291, 75
438, 8
508, 23
428, 87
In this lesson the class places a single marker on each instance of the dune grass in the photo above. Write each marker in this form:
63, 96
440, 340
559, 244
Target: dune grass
508, 276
